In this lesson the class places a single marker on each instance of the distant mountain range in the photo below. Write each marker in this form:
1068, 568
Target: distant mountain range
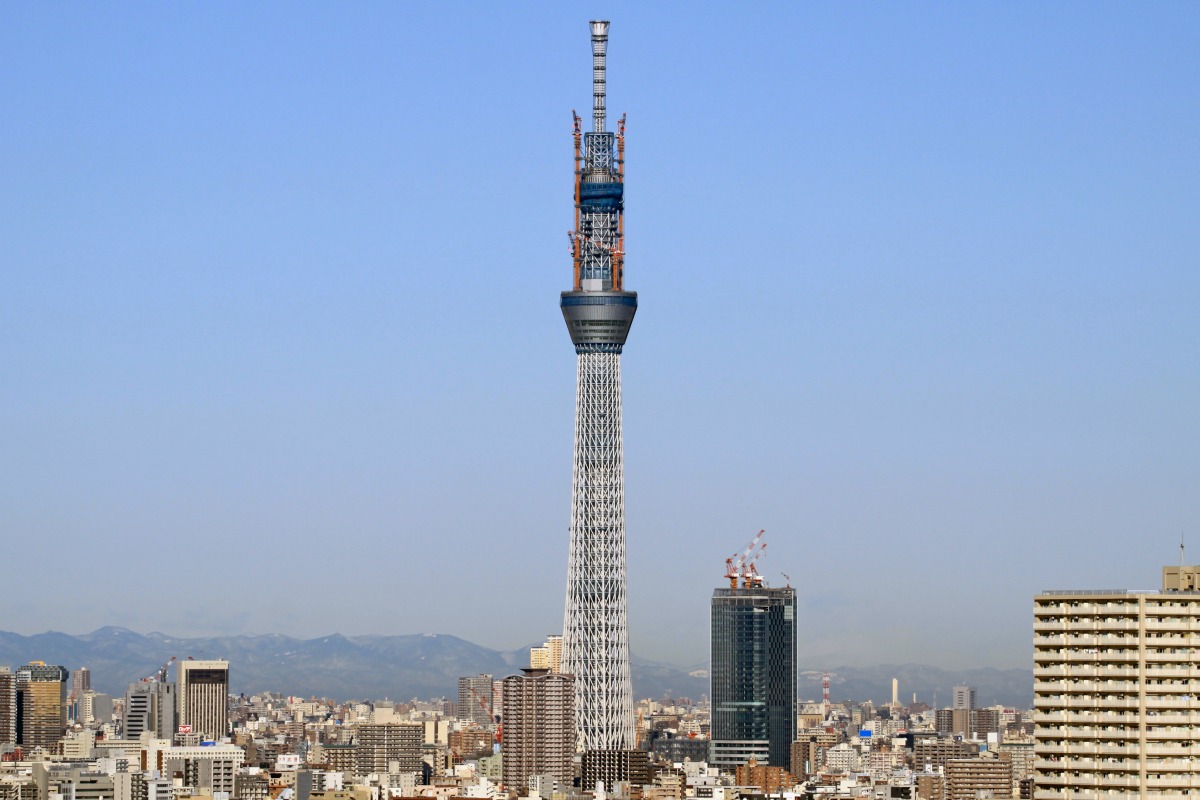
428, 665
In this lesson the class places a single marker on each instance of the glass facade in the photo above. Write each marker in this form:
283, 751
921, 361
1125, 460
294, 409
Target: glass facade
753, 675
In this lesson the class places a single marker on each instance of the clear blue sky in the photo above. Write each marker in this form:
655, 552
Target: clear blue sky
281, 348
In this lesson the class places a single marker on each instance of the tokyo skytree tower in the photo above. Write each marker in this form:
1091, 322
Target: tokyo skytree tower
598, 312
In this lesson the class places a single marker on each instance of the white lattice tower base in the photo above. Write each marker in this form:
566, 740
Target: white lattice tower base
596, 624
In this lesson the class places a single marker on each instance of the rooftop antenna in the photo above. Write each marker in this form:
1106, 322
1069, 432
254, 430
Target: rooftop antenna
1181, 558
599, 50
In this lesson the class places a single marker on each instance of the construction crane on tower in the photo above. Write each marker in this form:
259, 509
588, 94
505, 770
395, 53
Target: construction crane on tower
741, 565
161, 675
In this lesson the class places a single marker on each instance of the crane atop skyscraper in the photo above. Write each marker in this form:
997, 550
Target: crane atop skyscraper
161, 675
736, 565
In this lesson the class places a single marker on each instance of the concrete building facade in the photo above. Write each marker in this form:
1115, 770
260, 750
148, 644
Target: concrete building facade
539, 728
475, 701
203, 688
8, 707
390, 748
1117, 691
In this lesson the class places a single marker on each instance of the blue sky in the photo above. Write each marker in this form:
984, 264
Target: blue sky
282, 350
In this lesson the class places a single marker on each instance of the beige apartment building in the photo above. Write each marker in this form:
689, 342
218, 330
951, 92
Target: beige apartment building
972, 778
1117, 692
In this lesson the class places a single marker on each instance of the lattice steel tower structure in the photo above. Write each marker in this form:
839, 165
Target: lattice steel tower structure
598, 312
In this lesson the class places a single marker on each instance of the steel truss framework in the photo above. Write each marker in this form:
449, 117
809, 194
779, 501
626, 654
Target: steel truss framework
596, 624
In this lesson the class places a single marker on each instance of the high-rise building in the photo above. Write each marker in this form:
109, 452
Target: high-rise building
475, 699
150, 707
203, 690
598, 312
81, 681
8, 707
753, 675
42, 704
1117, 691
95, 708
539, 737
964, 697
548, 656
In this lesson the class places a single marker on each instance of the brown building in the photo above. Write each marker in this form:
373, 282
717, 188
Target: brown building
934, 751
340, 757
930, 786
972, 778
471, 743
42, 698
808, 751
8, 707
772, 780
983, 721
539, 728
612, 766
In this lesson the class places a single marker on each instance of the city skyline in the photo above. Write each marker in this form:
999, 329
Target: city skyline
924, 310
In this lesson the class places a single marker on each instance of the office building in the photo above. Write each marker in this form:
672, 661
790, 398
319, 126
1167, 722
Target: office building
539, 737
41, 704
964, 697
753, 675
598, 312
475, 699
203, 690
81, 681
1117, 691
150, 707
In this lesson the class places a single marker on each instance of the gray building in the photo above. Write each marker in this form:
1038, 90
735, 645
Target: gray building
475, 701
964, 697
753, 677
149, 708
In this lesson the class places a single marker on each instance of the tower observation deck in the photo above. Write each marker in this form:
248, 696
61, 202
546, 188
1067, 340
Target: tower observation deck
598, 312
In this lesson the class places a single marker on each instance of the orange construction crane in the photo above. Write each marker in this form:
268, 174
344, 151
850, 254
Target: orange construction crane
734, 565
750, 576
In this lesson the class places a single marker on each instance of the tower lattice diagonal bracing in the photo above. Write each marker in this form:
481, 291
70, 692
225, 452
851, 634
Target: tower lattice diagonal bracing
598, 312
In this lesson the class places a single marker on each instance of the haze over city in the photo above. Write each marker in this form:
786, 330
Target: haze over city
282, 352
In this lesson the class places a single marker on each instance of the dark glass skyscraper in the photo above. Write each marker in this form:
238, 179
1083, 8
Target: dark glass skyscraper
753, 675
